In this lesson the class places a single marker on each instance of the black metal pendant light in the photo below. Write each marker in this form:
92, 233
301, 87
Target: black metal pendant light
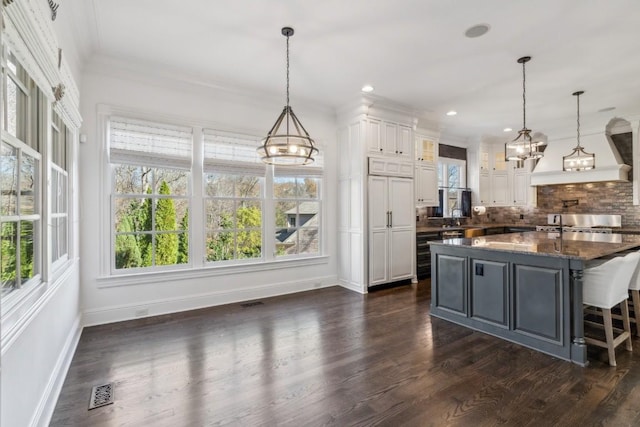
578, 160
523, 147
288, 142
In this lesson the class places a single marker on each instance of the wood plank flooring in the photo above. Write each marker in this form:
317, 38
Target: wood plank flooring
332, 357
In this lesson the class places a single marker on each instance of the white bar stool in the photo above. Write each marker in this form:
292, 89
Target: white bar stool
634, 290
604, 286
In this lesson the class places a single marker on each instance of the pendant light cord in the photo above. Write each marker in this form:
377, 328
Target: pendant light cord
578, 119
287, 70
524, 98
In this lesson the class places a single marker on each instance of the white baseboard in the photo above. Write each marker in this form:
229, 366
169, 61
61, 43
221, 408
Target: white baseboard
353, 287
44, 411
193, 302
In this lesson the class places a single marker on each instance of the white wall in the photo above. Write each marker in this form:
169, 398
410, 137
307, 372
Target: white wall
150, 92
40, 326
35, 361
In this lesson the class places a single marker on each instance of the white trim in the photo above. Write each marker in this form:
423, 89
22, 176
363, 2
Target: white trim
29, 307
355, 287
49, 399
207, 271
203, 300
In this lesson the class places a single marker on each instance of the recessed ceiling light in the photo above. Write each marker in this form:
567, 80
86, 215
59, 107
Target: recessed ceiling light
367, 88
604, 110
507, 129
477, 31
451, 113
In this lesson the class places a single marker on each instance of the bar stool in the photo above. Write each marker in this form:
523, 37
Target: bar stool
634, 290
606, 285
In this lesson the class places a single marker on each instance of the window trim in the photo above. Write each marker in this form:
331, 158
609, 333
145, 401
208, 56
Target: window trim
197, 263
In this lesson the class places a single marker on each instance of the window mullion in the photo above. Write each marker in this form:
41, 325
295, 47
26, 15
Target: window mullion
269, 219
197, 229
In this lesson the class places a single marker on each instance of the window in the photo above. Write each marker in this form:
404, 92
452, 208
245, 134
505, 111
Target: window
234, 197
191, 197
150, 165
451, 179
20, 170
59, 183
297, 214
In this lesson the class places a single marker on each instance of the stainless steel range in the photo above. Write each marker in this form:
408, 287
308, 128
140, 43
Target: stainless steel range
581, 223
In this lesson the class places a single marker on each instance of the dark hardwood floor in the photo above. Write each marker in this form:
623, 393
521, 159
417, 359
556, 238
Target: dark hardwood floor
334, 357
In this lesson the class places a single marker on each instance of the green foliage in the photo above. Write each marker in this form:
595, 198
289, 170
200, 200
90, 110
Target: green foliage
220, 245
26, 250
8, 254
145, 222
249, 241
166, 243
183, 240
248, 238
127, 249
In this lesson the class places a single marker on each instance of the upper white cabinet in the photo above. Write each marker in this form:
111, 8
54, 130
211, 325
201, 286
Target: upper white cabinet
426, 177
426, 149
523, 193
426, 184
503, 183
389, 138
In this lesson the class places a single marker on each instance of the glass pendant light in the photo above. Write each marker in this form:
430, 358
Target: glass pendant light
578, 160
523, 147
288, 142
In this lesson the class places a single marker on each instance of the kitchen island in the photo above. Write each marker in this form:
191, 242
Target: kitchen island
522, 287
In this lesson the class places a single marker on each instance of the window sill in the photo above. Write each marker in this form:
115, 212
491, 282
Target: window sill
194, 273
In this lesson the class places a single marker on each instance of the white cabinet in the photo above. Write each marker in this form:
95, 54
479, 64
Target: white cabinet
426, 179
426, 176
485, 189
503, 183
426, 149
391, 230
521, 190
500, 189
389, 138
390, 167
373, 135
404, 142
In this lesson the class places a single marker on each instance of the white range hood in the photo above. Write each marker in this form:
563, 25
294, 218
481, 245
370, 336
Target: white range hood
609, 164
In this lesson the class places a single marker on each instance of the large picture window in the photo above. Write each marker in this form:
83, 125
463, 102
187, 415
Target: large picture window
234, 197
20, 171
151, 193
186, 197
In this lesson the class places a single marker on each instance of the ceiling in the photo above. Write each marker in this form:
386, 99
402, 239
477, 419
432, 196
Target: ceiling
414, 52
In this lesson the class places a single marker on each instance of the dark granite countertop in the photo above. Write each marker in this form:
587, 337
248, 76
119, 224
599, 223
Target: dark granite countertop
466, 226
584, 246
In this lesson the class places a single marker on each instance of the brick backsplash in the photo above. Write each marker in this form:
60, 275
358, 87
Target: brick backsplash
593, 198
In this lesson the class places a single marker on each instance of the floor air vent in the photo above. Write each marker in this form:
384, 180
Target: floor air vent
101, 395
252, 303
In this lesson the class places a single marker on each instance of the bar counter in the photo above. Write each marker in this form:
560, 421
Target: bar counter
522, 287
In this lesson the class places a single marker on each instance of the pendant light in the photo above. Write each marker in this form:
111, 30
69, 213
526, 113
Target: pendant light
523, 147
288, 142
578, 160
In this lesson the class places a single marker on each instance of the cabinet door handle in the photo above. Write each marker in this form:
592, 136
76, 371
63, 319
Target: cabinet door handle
391, 219
387, 219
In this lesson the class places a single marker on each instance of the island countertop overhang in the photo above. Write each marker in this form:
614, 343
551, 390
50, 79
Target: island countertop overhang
577, 246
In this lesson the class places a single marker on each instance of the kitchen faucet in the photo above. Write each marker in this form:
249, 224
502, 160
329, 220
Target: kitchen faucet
559, 217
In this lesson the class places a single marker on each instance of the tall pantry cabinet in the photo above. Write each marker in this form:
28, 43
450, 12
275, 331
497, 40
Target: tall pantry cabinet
391, 229
376, 219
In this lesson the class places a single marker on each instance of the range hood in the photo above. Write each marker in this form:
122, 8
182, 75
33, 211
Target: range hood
609, 163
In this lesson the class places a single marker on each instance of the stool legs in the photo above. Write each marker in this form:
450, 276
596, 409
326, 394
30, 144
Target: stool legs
626, 324
612, 341
635, 298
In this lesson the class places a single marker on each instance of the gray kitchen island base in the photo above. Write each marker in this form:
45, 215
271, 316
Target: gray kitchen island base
532, 300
